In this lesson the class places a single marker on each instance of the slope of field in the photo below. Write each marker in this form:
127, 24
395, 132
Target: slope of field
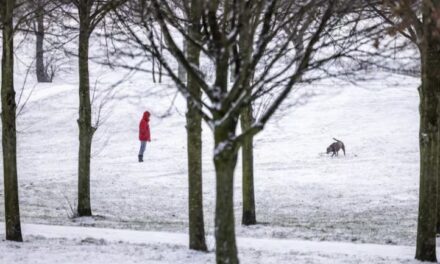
367, 196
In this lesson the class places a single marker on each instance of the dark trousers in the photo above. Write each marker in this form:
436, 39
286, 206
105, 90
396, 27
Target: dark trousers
142, 149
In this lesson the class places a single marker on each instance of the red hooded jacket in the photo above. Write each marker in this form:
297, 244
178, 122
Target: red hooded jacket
144, 127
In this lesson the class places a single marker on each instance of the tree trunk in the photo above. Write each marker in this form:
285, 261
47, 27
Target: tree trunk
85, 124
9, 132
225, 160
438, 187
429, 131
427, 217
194, 145
248, 217
42, 75
245, 51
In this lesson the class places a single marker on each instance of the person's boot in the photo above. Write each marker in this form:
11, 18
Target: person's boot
141, 158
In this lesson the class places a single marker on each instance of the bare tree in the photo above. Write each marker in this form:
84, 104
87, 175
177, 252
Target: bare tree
137, 14
13, 14
9, 130
39, 30
194, 132
224, 23
417, 22
89, 14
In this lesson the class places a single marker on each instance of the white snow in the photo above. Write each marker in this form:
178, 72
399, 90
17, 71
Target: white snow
101, 245
362, 201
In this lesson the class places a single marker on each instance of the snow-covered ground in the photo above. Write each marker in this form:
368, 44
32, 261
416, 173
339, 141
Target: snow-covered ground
60, 244
368, 196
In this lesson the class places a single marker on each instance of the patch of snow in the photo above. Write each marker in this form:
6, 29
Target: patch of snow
100, 245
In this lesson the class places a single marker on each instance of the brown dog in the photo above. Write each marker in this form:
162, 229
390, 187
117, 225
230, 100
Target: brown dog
335, 147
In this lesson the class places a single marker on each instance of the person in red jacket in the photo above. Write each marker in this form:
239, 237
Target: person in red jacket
144, 134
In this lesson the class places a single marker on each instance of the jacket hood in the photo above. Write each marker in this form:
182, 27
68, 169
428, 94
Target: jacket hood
146, 116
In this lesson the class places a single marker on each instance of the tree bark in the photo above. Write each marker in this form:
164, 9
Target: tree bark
427, 217
429, 131
248, 217
9, 131
225, 160
245, 52
194, 146
42, 75
86, 130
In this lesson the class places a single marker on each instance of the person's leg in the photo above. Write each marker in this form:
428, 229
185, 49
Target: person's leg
142, 150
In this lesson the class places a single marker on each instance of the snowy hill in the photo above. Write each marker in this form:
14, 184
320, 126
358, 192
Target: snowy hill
368, 196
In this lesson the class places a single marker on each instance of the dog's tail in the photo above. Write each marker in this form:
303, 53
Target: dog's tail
342, 143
